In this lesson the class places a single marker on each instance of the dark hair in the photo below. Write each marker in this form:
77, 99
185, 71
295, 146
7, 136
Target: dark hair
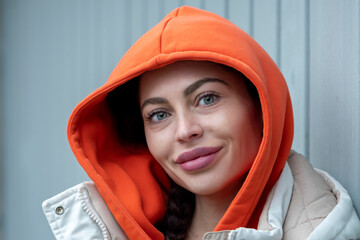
179, 213
124, 105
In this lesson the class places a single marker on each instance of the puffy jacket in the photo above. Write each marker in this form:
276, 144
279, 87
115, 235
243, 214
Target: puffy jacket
131, 182
303, 204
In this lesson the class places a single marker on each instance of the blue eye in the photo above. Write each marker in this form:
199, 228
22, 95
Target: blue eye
158, 116
207, 100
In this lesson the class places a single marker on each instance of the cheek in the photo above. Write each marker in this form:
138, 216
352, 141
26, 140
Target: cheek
158, 144
227, 122
217, 121
240, 127
247, 134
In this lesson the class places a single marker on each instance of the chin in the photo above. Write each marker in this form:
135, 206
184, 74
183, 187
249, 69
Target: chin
204, 187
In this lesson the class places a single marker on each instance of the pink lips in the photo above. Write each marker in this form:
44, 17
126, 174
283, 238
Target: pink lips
198, 158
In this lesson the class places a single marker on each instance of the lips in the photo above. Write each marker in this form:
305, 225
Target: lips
198, 158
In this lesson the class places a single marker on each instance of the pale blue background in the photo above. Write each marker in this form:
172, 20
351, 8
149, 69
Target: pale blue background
54, 53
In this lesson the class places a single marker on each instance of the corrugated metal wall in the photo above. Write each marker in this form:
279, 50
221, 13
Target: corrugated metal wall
54, 53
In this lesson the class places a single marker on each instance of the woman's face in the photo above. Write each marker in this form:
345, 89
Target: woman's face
201, 124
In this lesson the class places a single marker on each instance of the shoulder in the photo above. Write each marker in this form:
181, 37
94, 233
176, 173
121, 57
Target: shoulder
319, 205
81, 212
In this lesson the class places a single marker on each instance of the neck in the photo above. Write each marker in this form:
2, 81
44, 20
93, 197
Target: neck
210, 209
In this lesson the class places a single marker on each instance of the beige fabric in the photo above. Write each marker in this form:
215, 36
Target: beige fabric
263, 223
115, 231
216, 235
315, 196
312, 199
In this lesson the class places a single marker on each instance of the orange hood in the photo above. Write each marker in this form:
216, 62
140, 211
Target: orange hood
132, 183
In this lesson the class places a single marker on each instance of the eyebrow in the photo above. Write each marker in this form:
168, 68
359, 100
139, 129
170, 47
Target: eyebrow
192, 87
187, 91
155, 100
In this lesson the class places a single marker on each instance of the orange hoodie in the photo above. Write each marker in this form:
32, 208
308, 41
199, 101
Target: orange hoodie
132, 183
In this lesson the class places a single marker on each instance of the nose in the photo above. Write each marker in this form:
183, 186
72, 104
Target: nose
188, 128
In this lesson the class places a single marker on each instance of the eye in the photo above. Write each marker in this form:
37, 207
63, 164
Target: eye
157, 116
207, 99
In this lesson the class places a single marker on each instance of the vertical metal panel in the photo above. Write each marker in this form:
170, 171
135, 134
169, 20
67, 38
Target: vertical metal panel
136, 19
57, 52
216, 6
33, 138
143, 15
197, 4
154, 13
2, 157
266, 26
168, 6
293, 55
240, 14
334, 91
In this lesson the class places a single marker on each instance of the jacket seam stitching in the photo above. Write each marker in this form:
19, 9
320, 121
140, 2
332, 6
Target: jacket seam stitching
303, 222
306, 212
104, 232
163, 30
61, 234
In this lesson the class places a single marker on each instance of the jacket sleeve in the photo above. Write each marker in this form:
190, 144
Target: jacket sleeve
342, 222
320, 207
80, 213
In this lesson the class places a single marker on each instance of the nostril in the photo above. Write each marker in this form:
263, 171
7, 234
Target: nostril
188, 128
194, 135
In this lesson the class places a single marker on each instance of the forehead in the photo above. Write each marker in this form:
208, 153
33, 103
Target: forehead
179, 75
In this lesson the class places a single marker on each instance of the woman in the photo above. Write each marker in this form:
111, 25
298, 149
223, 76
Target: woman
190, 138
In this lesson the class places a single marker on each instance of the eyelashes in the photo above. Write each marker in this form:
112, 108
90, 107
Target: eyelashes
202, 100
157, 115
207, 98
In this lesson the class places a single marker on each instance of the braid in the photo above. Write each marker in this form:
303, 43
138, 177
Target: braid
181, 202
180, 210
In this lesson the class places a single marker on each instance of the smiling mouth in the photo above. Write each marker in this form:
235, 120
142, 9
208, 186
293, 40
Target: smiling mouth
197, 158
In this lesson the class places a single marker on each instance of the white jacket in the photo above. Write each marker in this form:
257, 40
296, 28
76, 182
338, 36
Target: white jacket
304, 204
